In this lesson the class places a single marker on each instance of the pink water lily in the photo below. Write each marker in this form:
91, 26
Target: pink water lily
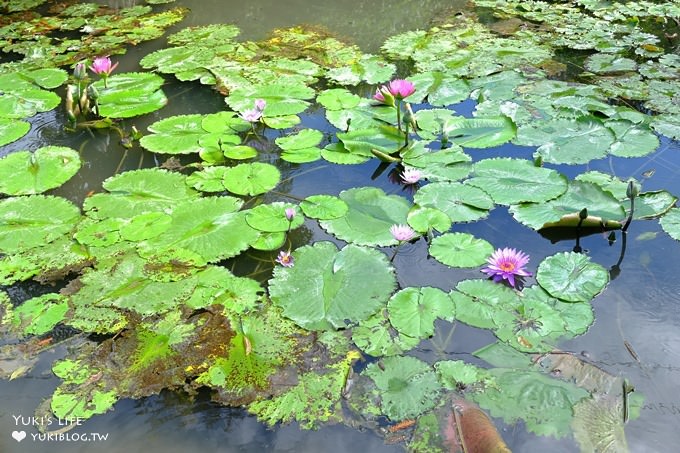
290, 214
285, 259
103, 66
252, 115
505, 264
402, 233
411, 175
401, 88
260, 104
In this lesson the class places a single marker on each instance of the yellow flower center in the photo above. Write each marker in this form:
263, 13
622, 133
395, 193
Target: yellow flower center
507, 266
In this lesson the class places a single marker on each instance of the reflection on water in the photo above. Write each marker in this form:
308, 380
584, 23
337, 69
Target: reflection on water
641, 306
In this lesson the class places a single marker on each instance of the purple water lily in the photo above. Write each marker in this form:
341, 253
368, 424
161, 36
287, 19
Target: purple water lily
102, 66
411, 175
505, 264
402, 233
285, 259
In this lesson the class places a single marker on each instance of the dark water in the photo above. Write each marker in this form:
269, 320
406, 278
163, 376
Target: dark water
640, 306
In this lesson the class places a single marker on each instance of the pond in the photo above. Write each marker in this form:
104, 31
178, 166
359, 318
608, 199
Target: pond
232, 285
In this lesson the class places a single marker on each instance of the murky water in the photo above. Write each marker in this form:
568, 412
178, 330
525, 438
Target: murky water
640, 306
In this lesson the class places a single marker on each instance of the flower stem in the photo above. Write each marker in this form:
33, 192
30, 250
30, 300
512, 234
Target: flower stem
399, 115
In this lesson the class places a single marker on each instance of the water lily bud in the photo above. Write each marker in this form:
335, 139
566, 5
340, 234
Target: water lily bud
93, 92
632, 190
583, 214
80, 71
290, 214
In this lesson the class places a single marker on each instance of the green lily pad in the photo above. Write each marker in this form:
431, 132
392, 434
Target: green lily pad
27, 222
145, 226
136, 192
441, 89
99, 233
271, 218
175, 135
450, 164
572, 277
369, 218
376, 337
337, 154
579, 195
483, 303
606, 63
40, 314
632, 140
26, 102
209, 179
130, 94
338, 99
210, 227
269, 241
462, 203
460, 250
368, 68
26, 173
407, 387
251, 179
453, 373
329, 289
324, 207
385, 139
564, 141
512, 181
412, 311
479, 132
650, 205
671, 223
282, 98
12, 130
423, 220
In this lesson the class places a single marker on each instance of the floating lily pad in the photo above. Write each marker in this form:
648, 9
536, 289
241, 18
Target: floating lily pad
425, 219
271, 218
130, 94
370, 216
175, 135
12, 129
512, 181
145, 226
329, 289
211, 227
376, 336
460, 250
407, 387
462, 203
632, 140
337, 154
26, 173
607, 63
479, 132
572, 277
27, 222
251, 179
412, 311
650, 205
324, 207
209, 179
136, 192
338, 99
450, 164
40, 314
671, 223
441, 89
385, 139
579, 195
563, 141
282, 98
453, 373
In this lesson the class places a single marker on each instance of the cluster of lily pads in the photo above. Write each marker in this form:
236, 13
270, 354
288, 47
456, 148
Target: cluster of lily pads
146, 260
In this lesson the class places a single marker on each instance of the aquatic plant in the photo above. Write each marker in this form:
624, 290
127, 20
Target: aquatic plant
507, 264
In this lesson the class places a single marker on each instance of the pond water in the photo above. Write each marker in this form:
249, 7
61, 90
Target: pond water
639, 308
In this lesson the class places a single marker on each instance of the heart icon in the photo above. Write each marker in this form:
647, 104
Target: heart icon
19, 435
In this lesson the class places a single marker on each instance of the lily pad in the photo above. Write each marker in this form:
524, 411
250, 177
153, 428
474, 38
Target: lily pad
462, 203
282, 98
376, 336
324, 207
27, 222
671, 223
251, 179
423, 220
460, 250
330, 289
271, 218
130, 94
512, 181
572, 277
175, 135
412, 311
39, 315
407, 387
479, 132
26, 173
370, 216
12, 130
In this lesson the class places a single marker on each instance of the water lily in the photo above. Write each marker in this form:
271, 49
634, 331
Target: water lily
260, 104
505, 264
402, 233
285, 259
290, 214
102, 66
411, 175
382, 94
80, 72
252, 115
401, 88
